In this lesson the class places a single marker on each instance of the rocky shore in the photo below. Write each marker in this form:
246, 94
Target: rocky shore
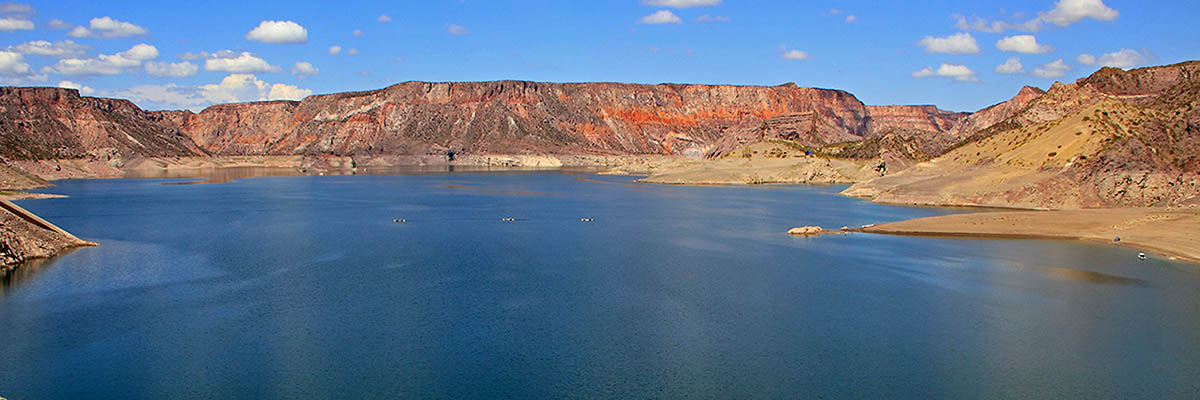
24, 236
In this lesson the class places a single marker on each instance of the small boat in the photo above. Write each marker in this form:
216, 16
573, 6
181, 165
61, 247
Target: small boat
1141, 256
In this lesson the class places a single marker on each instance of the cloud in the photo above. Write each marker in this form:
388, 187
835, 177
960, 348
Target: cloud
278, 32
352, 52
681, 3
281, 91
959, 43
9, 7
1124, 59
357, 33
710, 18
8, 24
111, 64
59, 24
304, 69
454, 29
181, 69
833, 11
244, 62
107, 28
1053, 69
1064, 13
661, 17
1012, 66
384, 18
13, 64
1026, 44
981, 25
850, 19
334, 50
84, 90
246, 87
1067, 12
794, 55
957, 72
64, 48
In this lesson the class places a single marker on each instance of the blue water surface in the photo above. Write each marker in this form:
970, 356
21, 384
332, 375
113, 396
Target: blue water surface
304, 287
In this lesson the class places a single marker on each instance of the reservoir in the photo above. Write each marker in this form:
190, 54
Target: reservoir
418, 286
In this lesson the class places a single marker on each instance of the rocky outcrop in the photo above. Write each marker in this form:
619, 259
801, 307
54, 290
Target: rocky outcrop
56, 123
890, 119
24, 236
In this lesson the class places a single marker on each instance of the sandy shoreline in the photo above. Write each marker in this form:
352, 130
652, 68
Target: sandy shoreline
1169, 232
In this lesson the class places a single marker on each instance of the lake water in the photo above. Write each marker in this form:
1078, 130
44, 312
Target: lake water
303, 287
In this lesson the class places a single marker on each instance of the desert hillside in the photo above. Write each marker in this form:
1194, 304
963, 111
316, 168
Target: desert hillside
1114, 139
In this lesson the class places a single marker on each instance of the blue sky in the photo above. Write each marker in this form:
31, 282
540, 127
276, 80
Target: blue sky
949, 53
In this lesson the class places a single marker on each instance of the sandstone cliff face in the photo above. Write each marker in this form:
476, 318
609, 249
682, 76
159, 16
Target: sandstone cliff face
523, 118
416, 118
888, 119
40, 123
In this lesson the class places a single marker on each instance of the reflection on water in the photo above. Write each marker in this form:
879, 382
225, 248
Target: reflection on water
304, 287
25, 271
1090, 276
222, 175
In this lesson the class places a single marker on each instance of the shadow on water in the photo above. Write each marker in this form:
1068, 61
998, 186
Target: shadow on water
11, 278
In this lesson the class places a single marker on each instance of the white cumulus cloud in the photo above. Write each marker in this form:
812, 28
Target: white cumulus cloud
84, 90
1067, 12
1012, 66
244, 62
1086, 59
9, 24
12, 64
107, 28
454, 29
959, 43
1064, 13
384, 18
334, 50
957, 72
682, 3
1026, 44
278, 32
181, 69
1051, 70
62, 48
661, 17
106, 64
281, 91
1125, 59
304, 69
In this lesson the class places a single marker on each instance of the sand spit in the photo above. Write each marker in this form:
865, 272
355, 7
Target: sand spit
1170, 232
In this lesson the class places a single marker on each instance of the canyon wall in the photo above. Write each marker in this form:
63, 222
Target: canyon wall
417, 118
